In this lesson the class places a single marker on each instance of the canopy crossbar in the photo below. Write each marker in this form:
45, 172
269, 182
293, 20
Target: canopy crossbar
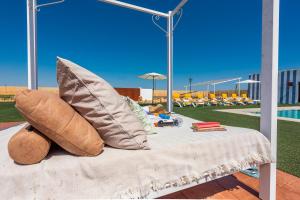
48, 4
169, 32
134, 7
226, 81
179, 6
215, 82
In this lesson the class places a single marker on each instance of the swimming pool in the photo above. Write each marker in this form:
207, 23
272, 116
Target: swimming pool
295, 114
289, 113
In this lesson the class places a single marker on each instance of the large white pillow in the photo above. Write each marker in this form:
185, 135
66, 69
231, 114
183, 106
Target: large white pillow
99, 103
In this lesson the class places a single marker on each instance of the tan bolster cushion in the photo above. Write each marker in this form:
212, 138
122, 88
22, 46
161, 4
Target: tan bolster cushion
98, 102
28, 146
59, 121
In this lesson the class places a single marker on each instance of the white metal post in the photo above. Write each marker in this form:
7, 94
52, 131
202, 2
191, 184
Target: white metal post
269, 87
239, 87
186, 90
207, 89
214, 89
170, 62
32, 45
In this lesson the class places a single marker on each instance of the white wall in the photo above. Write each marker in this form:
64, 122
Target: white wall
146, 94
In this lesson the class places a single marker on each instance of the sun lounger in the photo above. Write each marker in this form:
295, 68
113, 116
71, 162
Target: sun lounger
247, 100
200, 100
237, 100
213, 100
179, 158
177, 100
225, 100
188, 100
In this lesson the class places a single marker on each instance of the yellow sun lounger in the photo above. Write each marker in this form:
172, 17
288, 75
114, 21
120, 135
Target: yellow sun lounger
238, 100
246, 99
188, 100
225, 100
213, 100
200, 100
177, 100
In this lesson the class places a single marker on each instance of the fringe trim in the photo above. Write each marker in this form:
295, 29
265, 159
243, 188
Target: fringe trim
218, 172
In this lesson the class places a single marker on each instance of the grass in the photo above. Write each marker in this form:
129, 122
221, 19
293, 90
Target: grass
288, 132
8, 113
6, 96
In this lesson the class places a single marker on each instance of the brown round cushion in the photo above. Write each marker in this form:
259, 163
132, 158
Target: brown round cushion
57, 120
28, 146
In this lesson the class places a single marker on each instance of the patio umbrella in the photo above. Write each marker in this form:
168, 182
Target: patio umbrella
153, 76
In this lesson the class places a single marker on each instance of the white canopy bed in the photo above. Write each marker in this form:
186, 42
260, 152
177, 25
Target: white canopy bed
179, 158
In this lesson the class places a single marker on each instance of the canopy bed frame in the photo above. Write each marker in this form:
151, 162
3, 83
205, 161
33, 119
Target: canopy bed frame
269, 72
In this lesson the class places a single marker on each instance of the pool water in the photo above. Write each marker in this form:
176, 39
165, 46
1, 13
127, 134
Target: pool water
289, 114
295, 114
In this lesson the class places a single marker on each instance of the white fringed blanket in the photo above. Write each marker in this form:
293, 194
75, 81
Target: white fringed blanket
178, 158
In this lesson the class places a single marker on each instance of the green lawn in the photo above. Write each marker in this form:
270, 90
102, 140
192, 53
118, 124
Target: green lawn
8, 113
288, 132
6, 96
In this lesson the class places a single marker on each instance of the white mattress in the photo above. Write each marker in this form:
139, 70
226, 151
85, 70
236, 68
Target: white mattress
178, 158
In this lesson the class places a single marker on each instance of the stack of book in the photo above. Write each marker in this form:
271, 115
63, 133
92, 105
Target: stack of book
207, 126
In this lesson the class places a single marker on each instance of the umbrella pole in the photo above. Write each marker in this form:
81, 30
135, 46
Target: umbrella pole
154, 86
152, 90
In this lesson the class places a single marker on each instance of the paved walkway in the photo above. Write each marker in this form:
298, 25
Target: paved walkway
5, 125
256, 112
242, 187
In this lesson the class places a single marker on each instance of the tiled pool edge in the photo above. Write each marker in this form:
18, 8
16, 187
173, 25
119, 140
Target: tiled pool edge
249, 112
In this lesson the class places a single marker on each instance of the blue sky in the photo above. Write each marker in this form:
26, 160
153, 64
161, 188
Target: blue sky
215, 39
